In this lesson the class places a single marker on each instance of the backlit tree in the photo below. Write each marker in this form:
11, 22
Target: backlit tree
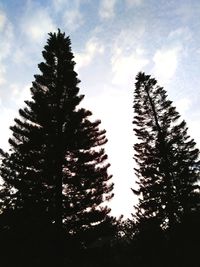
167, 159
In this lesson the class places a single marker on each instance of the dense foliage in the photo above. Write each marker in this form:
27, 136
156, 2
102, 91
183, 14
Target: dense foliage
56, 168
167, 159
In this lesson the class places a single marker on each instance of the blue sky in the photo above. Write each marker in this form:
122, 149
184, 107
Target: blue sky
112, 41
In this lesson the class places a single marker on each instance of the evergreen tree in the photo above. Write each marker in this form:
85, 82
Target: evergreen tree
57, 164
166, 157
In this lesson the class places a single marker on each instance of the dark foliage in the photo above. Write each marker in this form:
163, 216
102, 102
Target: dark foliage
55, 171
166, 157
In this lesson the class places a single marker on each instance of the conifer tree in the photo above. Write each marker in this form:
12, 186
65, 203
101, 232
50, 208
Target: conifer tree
56, 163
167, 159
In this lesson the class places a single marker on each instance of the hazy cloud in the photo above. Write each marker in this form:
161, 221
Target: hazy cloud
6, 37
93, 48
72, 19
37, 24
20, 56
128, 56
70, 13
125, 67
166, 59
107, 9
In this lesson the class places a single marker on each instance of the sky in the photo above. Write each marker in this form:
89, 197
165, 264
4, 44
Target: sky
112, 40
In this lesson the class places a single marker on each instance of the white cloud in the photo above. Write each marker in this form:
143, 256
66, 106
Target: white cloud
128, 56
92, 49
107, 9
166, 63
129, 40
125, 67
167, 58
37, 24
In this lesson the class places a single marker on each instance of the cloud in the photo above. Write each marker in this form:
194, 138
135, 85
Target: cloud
20, 56
92, 49
73, 19
6, 37
35, 25
107, 9
128, 56
125, 67
166, 59
33, 28
166, 63
70, 13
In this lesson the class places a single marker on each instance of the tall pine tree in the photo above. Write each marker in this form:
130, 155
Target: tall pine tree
57, 164
167, 159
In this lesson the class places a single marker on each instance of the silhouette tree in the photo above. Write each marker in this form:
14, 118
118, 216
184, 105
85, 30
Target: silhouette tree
166, 157
57, 164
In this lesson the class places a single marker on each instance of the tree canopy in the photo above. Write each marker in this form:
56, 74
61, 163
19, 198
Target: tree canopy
166, 156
